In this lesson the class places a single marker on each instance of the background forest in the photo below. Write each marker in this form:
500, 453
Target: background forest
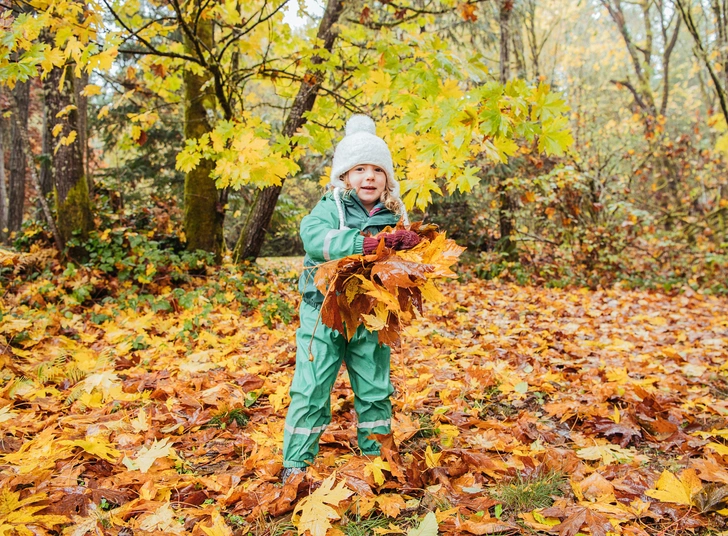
591, 150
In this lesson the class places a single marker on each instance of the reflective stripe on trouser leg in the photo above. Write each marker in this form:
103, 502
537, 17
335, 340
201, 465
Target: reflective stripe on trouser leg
367, 363
310, 408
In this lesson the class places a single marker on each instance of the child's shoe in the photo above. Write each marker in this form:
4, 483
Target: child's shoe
290, 472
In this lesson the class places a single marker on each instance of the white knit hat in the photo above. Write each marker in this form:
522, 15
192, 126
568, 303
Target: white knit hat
361, 145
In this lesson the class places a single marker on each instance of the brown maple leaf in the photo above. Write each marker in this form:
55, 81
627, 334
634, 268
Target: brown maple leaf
626, 428
711, 498
467, 12
711, 469
575, 517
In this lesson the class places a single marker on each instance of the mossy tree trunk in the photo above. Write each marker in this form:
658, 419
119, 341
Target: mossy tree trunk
16, 164
203, 211
73, 203
3, 188
253, 233
44, 176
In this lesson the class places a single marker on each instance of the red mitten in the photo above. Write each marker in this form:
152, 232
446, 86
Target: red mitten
404, 239
370, 245
398, 240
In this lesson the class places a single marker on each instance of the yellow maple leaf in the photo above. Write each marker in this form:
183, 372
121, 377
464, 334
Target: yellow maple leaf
375, 468
15, 514
607, 453
380, 294
674, 489
163, 519
713, 433
140, 424
431, 293
52, 57
218, 528
313, 513
375, 322
718, 447
39, 453
98, 446
147, 456
280, 398
90, 90
432, 459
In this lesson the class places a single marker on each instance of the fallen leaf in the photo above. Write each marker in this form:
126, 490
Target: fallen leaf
147, 456
313, 513
428, 527
673, 489
375, 468
391, 504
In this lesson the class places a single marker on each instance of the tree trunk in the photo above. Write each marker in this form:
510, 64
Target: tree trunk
25, 143
16, 164
519, 54
73, 204
45, 178
253, 233
504, 19
203, 214
82, 104
505, 203
532, 41
3, 186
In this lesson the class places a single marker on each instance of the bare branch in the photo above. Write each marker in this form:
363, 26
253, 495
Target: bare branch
692, 28
152, 48
666, 66
634, 92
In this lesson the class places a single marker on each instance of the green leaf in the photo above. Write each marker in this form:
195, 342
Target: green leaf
188, 159
548, 105
506, 147
555, 136
428, 527
468, 179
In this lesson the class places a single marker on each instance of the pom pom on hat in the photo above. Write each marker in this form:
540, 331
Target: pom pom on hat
360, 123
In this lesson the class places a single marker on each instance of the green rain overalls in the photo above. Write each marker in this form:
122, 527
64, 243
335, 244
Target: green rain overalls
332, 231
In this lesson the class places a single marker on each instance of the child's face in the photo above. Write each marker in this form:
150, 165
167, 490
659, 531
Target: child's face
368, 182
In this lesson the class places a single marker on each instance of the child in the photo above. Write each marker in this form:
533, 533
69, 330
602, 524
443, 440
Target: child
364, 197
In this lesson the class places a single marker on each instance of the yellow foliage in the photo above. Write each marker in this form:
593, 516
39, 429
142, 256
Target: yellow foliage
315, 512
376, 468
674, 489
16, 513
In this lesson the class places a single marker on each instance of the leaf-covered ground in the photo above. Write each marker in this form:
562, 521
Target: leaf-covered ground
157, 408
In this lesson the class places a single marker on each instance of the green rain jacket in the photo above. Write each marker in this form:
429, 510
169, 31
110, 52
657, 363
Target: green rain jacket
326, 237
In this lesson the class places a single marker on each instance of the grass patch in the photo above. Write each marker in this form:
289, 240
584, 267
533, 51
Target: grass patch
428, 429
524, 494
364, 526
226, 417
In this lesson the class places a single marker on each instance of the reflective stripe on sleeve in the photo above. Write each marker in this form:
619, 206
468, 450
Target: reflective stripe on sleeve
327, 241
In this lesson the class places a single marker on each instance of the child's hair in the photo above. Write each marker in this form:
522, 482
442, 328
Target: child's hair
388, 200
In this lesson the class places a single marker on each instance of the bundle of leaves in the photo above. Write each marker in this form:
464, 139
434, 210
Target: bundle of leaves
385, 290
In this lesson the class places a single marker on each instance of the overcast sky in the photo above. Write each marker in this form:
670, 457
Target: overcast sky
314, 7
